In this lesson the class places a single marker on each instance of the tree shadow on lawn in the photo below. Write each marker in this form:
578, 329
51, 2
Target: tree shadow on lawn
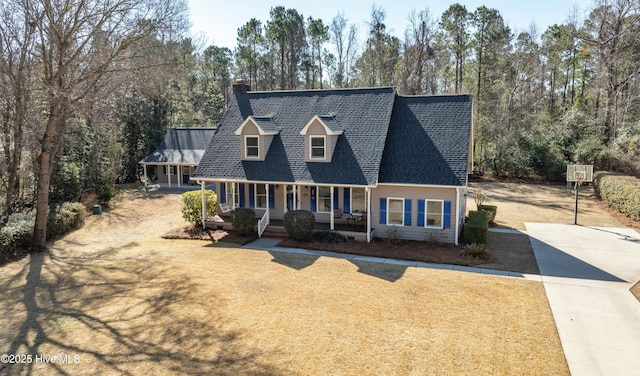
118, 316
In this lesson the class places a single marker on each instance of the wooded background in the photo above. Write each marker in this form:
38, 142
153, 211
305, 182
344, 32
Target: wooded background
90, 87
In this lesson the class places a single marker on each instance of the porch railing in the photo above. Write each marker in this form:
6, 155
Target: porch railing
263, 223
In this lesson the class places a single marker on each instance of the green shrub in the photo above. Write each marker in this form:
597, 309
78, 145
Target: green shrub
243, 221
192, 206
619, 191
476, 250
15, 236
328, 237
476, 230
64, 217
299, 224
106, 193
492, 210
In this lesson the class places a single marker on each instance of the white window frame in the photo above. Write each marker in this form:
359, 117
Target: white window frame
169, 170
426, 214
364, 198
265, 195
246, 147
324, 147
321, 199
389, 199
235, 199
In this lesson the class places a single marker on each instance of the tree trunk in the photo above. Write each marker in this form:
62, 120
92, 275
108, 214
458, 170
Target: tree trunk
47, 153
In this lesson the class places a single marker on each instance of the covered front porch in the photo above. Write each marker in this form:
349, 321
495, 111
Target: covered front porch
339, 208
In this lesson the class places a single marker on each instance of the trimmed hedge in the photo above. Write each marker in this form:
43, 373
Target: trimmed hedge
299, 224
192, 206
492, 210
621, 192
329, 237
244, 221
476, 230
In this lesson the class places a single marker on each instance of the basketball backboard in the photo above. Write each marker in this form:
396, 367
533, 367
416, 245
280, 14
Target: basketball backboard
582, 173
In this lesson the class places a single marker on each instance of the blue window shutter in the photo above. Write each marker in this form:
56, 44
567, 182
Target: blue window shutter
272, 196
164, 170
241, 195
223, 192
446, 223
336, 202
420, 213
314, 204
383, 210
252, 197
347, 200
407, 212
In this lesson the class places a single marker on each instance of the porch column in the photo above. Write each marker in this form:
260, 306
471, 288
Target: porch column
295, 197
331, 219
169, 174
284, 194
266, 190
367, 194
179, 175
457, 218
204, 205
233, 195
144, 166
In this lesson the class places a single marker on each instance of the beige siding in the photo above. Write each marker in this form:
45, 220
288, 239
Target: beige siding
264, 142
413, 232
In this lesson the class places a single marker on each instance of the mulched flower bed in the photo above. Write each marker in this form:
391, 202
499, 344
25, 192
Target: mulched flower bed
197, 233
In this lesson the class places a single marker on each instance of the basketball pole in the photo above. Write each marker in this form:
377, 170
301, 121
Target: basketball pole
575, 211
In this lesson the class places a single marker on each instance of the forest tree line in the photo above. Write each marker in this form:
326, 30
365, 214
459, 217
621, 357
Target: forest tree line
90, 87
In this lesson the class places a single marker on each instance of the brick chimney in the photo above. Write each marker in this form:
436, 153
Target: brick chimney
240, 86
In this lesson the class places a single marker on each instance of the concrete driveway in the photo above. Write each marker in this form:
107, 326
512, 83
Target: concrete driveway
587, 273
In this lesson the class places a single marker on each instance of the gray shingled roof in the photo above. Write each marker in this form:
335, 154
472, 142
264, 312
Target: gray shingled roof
184, 146
428, 141
363, 114
424, 141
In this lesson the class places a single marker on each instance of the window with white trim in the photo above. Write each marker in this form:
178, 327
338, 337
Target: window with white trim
358, 203
233, 194
261, 196
317, 147
434, 211
395, 211
251, 147
324, 199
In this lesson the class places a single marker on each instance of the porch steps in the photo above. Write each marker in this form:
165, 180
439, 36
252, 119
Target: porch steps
275, 232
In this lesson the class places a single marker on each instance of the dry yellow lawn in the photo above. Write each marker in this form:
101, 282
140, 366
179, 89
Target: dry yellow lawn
126, 301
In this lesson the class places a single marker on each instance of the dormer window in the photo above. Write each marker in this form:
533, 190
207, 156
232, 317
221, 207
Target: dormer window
317, 147
252, 146
320, 138
256, 134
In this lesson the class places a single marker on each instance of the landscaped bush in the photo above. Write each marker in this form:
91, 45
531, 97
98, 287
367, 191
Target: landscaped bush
192, 206
243, 220
619, 191
299, 224
476, 230
476, 250
492, 210
64, 218
106, 193
328, 237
